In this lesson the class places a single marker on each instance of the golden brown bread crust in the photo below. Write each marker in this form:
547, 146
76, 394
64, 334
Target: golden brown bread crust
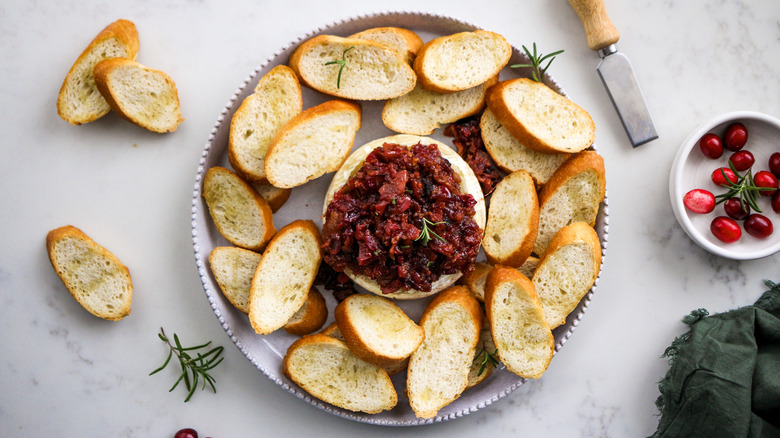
123, 30
517, 257
503, 113
69, 231
576, 232
316, 312
461, 295
580, 162
475, 280
102, 71
412, 41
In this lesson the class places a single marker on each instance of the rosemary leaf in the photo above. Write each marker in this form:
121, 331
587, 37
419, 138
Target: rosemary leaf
193, 370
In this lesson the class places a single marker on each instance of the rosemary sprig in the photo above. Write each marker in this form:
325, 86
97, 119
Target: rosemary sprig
487, 358
193, 369
425, 233
536, 62
745, 189
342, 63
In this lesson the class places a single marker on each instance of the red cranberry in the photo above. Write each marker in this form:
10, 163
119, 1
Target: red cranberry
711, 146
758, 225
699, 201
186, 433
742, 160
776, 202
735, 137
774, 164
717, 176
725, 229
766, 179
736, 209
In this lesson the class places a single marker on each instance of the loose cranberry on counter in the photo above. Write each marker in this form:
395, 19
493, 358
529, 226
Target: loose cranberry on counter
735, 137
766, 179
742, 160
711, 146
699, 201
186, 433
725, 229
718, 179
758, 225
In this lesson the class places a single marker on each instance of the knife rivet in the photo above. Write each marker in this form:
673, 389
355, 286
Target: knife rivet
606, 51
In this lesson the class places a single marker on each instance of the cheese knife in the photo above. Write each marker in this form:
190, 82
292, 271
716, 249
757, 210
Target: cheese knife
616, 72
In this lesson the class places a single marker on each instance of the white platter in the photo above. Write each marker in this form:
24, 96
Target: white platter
266, 352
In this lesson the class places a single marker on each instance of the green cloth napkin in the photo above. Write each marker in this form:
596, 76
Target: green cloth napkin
724, 379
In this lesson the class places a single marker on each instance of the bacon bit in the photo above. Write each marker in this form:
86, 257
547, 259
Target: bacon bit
468, 139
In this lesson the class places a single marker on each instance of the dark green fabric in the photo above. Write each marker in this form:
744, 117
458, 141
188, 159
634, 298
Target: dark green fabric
724, 378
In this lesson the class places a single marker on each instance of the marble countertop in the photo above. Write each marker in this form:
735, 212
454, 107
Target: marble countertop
64, 372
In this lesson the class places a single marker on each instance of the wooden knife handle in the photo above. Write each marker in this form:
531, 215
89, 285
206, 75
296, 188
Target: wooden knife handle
598, 27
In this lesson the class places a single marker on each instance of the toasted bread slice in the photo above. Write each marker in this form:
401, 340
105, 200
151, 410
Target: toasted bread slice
352, 68
461, 61
377, 330
333, 331
94, 276
79, 100
392, 368
233, 268
284, 276
539, 118
275, 196
513, 220
529, 266
475, 280
310, 317
240, 214
524, 340
421, 111
403, 41
573, 194
510, 155
277, 98
325, 368
438, 370
313, 143
567, 271
139, 94
482, 366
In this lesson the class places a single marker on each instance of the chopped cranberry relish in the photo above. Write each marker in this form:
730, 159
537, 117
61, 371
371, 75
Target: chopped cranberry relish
377, 224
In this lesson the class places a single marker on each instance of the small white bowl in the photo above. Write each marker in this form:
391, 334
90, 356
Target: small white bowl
691, 169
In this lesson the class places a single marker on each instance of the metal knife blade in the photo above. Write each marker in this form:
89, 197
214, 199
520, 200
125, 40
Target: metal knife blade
616, 72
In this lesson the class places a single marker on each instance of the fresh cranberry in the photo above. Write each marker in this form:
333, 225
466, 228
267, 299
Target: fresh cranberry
711, 146
699, 201
774, 164
776, 202
735, 137
725, 229
742, 160
758, 225
766, 179
717, 176
735, 209
186, 433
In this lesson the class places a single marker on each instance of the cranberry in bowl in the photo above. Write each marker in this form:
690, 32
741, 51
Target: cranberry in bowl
693, 169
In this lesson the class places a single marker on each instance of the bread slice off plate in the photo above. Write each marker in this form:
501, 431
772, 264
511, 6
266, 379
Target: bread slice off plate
79, 100
94, 276
139, 94
567, 271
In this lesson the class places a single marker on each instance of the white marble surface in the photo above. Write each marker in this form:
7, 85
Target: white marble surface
66, 373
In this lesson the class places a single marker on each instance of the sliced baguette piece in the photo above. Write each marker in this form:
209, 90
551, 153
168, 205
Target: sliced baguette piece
377, 330
529, 266
94, 276
517, 322
333, 331
275, 196
326, 368
475, 280
370, 70
284, 276
139, 94
276, 99
539, 118
310, 317
482, 367
573, 194
403, 41
438, 370
421, 111
313, 143
460, 61
510, 155
392, 368
79, 100
513, 220
233, 268
567, 271
240, 214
